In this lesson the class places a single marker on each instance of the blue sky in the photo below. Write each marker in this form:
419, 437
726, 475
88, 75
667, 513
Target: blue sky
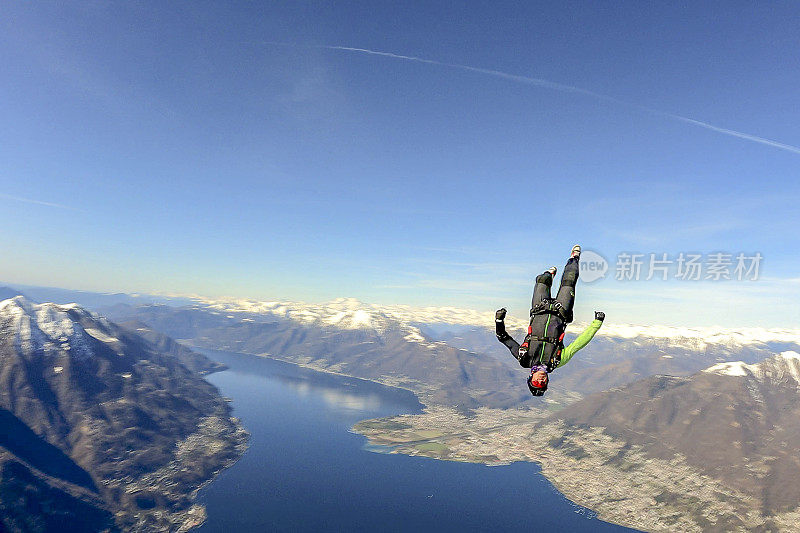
176, 148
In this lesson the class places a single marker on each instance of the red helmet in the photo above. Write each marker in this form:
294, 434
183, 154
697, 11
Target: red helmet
536, 385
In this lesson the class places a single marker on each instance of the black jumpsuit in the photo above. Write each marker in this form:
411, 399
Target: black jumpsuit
548, 325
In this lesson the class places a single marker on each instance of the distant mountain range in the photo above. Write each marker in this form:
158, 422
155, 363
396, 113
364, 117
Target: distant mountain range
8, 292
449, 356
87, 299
104, 427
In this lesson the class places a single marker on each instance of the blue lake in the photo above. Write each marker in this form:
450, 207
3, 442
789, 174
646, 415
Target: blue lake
305, 470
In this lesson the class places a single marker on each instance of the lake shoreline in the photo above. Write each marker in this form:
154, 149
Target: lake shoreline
383, 443
577, 464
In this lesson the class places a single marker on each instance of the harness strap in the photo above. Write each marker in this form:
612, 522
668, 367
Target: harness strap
550, 306
551, 340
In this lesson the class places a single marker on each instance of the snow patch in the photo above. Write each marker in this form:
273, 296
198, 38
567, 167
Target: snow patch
101, 336
791, 361
735, 368
361, 318
414, 336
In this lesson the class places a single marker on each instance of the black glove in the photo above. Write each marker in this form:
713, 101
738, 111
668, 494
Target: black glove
599, 315
500, 314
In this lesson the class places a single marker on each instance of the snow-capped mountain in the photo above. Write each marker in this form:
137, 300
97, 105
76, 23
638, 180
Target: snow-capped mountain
90, 410
52, 328
784, 368
349, 313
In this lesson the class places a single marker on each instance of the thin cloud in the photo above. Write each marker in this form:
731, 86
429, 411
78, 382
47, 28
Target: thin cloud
38, 202
547, 84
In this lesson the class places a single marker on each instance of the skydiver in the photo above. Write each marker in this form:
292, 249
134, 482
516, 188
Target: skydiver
543, 349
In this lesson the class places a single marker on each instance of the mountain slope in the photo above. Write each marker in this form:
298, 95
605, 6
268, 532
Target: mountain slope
737, 425
105, 411
31, 501
166, 345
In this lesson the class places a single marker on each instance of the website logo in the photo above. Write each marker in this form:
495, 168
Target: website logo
593, 266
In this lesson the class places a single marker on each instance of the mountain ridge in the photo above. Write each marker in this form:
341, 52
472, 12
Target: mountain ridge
336, 310
617, 355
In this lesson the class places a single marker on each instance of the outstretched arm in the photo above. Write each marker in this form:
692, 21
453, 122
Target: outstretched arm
502, 335
582, 339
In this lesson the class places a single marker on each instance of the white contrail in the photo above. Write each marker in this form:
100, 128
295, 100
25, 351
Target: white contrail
37, 202
564, 88
734, 133
497, 73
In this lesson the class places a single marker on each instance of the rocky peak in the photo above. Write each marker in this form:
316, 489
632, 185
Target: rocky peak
781, 368
47, 328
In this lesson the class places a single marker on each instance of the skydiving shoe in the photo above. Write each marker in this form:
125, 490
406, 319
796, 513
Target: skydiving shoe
552, 271
576, 251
